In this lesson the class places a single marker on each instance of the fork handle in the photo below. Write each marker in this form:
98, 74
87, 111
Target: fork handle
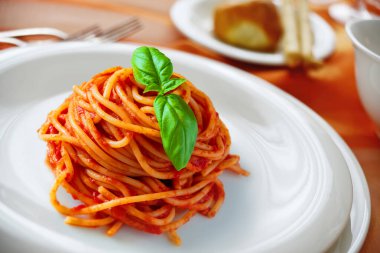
34, 31
13, 41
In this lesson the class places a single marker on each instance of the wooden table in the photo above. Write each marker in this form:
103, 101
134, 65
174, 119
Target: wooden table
330, 90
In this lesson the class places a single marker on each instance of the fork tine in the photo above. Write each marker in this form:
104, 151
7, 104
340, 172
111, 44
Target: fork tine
90, 31
122, 34
127, 32
120, 31
121, 26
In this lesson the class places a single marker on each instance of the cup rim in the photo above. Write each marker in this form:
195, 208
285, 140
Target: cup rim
356, 42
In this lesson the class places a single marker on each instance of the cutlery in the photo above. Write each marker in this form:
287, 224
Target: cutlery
92, 33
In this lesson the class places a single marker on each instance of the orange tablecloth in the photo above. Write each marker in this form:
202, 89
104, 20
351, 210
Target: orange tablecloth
330, 90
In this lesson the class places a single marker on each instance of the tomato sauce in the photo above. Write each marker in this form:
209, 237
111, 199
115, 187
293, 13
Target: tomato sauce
51, 130
54, 153
78, 208
198, 163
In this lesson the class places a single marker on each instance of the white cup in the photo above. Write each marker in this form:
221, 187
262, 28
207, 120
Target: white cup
365, 35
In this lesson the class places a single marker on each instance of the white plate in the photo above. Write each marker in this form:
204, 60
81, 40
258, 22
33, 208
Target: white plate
299, 193
354, 234
194, 18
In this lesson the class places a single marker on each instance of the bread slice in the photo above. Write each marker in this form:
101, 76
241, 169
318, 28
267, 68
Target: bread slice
254, 25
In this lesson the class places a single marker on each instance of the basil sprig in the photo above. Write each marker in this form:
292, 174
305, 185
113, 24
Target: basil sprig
177, 121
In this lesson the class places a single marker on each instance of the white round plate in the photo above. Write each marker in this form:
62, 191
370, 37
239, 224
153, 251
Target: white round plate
355, 231
299, 192
194, 18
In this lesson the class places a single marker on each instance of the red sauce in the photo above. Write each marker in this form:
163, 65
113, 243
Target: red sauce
152, 229
118, 212
92, 180
62, 119
52, 130
199, 162
207, 197
65, 111
97, 136
54, 153
177, 174
74, 196
80, 110
95, 198
165, 214
131, 114
133, 192
79, 207
113, 97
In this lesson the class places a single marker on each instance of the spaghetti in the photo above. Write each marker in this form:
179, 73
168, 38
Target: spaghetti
105, 149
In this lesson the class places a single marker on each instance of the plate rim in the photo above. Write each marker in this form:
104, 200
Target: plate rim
260, 82
359, 182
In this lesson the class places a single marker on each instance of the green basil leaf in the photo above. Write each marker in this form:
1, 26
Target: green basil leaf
171, 84
152, 87
151, 67
178, 127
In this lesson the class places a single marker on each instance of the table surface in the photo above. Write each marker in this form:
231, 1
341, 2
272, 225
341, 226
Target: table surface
329, 90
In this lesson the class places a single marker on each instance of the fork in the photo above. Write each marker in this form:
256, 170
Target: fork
119, 31
10, 37
82, 34
92, 33
33, 31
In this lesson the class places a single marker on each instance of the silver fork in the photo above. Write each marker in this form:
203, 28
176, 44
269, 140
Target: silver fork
92, 33
34, 31
120, 31
87, 33
13, 41
10, 37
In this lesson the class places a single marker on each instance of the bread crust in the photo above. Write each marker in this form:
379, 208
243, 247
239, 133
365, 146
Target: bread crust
251, 24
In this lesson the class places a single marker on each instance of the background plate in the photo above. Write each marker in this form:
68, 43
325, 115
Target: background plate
194, 18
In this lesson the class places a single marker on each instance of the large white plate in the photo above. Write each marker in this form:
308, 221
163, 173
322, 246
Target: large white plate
355, 231
194, 18
299, 193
